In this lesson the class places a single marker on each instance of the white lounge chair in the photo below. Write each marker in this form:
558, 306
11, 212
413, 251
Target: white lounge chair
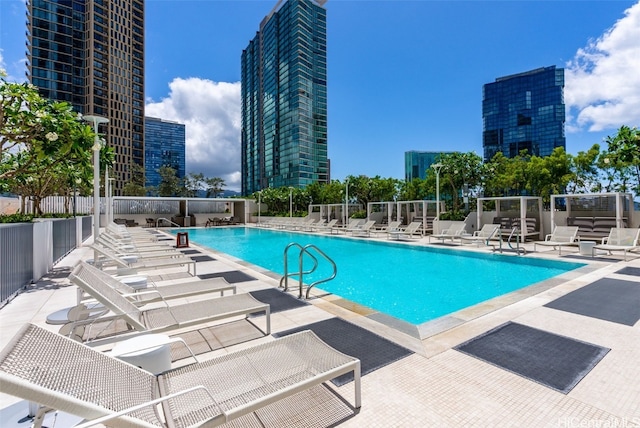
61, 374
620, 239
326, 227
482, 236
136, 263
394, 226
410, 232
153, 292
455, 230
561, 236
363, 229
159, 319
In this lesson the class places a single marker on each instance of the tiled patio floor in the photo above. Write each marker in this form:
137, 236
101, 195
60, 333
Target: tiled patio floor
437, 385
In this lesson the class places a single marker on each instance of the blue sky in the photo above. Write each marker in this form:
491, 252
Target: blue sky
403, 75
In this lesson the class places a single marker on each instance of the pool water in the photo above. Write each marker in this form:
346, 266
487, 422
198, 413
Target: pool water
412, 283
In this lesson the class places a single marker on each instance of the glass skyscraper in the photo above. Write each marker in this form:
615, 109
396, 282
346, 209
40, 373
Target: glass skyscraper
164, 146
417, 163
524, 111
284, 99
90, 53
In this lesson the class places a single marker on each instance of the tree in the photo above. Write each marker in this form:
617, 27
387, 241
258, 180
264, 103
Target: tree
41, 143
136, 186
624, 156
584, 171
169, 182
214, 186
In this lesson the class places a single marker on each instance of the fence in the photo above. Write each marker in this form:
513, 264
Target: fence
29, 250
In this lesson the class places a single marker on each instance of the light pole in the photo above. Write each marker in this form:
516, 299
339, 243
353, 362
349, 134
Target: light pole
346, 202
437, 167
290, 203
259, 204
96, 120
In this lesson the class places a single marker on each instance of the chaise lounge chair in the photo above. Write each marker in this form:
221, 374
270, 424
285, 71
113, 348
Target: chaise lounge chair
410, 232
363, 229
481, 236
324, 227
562, 235
155, 320
153, 293
456, 229
135, 263
620, 239
58, 373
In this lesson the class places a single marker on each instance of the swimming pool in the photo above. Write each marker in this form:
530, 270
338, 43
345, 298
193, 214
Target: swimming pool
413, 283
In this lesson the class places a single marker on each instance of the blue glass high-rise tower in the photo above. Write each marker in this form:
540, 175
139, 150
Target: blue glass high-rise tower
164, 146
284, 99
524, 111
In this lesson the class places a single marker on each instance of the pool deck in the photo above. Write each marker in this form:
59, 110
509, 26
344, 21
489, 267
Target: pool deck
435, 386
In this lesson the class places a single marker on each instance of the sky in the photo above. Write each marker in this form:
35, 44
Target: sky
402, 75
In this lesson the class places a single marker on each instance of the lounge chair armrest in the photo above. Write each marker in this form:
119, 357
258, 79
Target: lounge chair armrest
124, 412
604, 240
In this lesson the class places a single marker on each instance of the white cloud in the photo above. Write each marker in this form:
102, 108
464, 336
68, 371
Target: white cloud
602, 86
211, 113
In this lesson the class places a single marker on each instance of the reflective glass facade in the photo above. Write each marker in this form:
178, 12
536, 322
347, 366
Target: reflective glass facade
164, 145
284, 99
90, 53
524, 111
416, 163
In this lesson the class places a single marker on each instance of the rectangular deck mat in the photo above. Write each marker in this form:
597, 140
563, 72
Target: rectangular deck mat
372, 350
190, 252
555, 361
607, 299
202, 258
629, 270
278, 300
231, 276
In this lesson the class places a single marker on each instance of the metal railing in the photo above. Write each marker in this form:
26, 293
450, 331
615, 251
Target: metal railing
301, 272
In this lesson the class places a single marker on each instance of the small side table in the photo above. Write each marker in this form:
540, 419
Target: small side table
586, 248
150, 352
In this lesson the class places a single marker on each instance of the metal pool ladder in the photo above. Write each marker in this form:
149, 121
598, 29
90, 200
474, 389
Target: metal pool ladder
301, 272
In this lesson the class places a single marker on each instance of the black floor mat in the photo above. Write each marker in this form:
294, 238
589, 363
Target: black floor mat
555, 361
231, 276
607, 299
372, 350
202, 258
278, 300
630, 270
190, 252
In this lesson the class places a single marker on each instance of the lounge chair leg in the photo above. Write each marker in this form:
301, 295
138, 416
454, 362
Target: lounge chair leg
356, 386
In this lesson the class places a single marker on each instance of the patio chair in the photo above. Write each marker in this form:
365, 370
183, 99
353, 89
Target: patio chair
620, 239
145, 252
159, 319
561, 236
481, 236
364, 229
455, 230
64, 375
407, 233
326, 227
153, 293
135, 264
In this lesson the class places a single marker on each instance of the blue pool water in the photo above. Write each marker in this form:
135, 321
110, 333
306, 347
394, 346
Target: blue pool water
413, 283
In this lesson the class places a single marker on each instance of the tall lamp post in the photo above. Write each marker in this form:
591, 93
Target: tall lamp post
96, 120
346, 202
437, 167
290, 203
259, 204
